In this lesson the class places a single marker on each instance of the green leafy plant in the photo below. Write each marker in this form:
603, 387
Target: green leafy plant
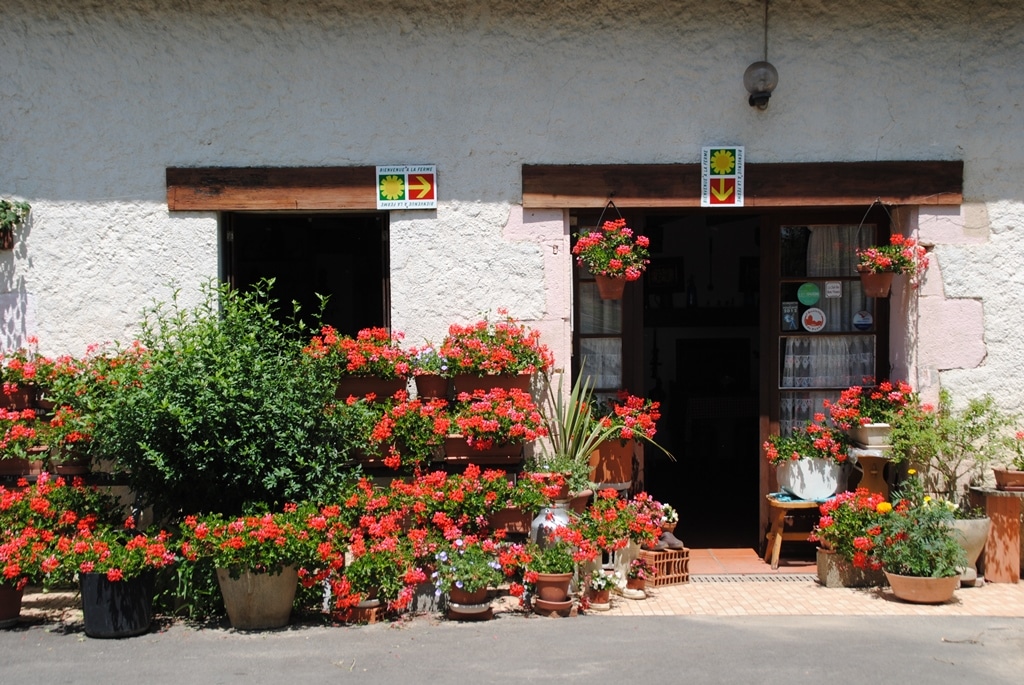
914, 538
953, 445
467, 565
557, 555
13, 213
120, 553
215, 408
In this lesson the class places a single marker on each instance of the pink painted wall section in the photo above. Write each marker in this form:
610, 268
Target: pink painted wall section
549, 228
964, 225
940, 333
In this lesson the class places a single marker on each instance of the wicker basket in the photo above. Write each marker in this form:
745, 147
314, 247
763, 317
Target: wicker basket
673, 566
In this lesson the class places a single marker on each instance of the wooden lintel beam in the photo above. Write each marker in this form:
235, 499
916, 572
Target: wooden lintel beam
816, 184
268, 188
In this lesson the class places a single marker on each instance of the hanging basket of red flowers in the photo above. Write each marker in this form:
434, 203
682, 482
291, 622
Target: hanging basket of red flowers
612, 253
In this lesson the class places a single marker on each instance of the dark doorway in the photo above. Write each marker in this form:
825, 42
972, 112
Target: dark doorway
341, 256
702, 349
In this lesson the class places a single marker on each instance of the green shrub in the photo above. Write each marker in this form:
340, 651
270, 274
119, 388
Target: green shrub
225, 410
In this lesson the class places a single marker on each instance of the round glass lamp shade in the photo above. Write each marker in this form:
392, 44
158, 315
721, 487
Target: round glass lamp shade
760, 80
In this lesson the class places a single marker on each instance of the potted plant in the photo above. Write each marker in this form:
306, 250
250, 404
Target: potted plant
464, 572
496, 419
868, 413
841, 529
382, 573
115, 566
372, 362
431, 371
34, 518
599, 586
628, 419
257, 558
614, 255
915, 546
549, 570
1012, 477
638, 573
807, 460
12, 214
23, 445
410, 430
489, 354
877, 265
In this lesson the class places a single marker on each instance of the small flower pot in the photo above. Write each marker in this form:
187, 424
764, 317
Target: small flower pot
610, 288
875, 284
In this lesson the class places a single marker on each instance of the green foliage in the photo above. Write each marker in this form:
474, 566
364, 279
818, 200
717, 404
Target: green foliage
556, 556
220, 409
953, 445
467, 567
916, 538
13, 213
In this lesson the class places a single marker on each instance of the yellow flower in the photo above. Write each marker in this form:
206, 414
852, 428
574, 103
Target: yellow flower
911, 472
883, 508
927, 498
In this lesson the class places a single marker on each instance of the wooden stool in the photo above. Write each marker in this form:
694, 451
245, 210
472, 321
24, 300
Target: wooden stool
777, 510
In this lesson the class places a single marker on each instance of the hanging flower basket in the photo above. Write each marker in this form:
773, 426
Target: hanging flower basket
612, 253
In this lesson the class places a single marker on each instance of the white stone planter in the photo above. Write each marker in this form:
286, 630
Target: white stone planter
809, 479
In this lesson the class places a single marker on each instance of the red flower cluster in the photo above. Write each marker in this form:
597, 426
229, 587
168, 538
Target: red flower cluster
862, 405
902, 256
503, 347
498, 417
373, 352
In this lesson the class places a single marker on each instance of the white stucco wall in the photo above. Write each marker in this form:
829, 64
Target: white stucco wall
100, 97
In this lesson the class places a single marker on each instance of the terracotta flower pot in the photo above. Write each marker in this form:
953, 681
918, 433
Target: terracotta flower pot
553, 587
610, 288
1009, 479
875, 284
921, 590
258, 601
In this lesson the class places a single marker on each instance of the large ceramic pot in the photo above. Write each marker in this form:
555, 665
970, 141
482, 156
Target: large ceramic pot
809, 479
835, 571
921, 590
258, 601
120, 608
10, 605
972, 535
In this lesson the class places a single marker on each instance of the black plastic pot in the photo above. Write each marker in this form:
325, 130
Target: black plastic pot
116, 608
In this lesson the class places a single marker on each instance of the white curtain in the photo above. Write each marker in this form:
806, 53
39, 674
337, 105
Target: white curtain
828, 361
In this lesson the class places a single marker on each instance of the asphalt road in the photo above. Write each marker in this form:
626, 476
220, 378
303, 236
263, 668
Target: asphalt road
590, 649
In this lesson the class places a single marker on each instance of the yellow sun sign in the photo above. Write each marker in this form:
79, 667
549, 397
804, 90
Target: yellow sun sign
407, 186
721, 177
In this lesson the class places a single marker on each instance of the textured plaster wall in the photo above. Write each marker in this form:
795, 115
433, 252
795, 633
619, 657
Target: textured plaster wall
100, 97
